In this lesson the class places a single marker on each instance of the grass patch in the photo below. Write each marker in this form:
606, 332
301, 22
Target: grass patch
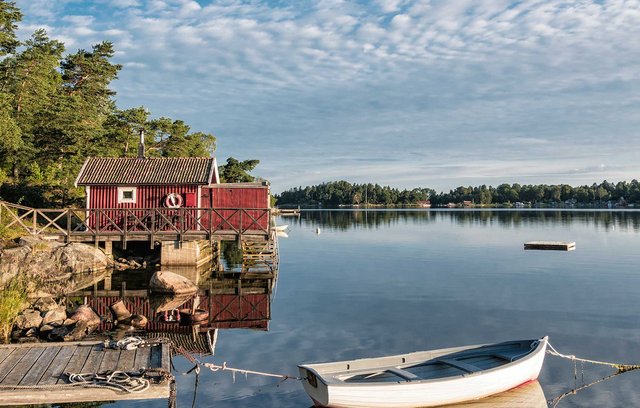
12, 301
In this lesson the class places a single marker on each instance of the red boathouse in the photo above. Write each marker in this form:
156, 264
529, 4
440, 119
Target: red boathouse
134, 195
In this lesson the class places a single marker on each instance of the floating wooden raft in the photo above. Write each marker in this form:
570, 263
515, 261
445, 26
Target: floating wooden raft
550, 245
44, 365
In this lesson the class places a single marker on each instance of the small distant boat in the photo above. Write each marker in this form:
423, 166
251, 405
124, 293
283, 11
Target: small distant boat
281, 227
425, 378
318, 230
282, 234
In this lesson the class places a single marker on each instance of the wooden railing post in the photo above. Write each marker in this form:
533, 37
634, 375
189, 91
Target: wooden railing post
68, 237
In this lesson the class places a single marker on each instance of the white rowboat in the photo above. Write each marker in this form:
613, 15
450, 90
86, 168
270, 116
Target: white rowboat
425, 378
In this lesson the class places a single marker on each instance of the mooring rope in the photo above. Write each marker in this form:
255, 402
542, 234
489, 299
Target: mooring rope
224, 367
620, 367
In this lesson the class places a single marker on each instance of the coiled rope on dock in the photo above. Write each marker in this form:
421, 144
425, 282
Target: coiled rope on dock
620, 367
117, 380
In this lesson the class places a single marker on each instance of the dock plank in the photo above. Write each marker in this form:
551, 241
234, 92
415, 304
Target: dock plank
109, 361
77, 360
94, 359
142, 357
10, 362
17, 372
4, 353
44, 362
127, 360
57, 366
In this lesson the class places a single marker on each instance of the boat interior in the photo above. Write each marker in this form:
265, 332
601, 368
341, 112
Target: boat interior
465, 362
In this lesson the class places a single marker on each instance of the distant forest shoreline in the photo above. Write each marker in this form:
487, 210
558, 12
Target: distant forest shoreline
340, 194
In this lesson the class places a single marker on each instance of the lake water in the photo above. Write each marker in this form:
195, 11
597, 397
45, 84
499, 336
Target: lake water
387, 282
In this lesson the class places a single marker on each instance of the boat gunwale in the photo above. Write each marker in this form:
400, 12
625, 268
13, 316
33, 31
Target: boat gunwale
333, 381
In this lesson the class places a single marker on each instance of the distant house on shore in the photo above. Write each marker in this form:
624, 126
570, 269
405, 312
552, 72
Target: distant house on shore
424, 204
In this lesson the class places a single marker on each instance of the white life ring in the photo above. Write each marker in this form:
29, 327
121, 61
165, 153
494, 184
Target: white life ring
173, 200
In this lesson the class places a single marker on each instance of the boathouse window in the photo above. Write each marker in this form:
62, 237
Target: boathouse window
126, 195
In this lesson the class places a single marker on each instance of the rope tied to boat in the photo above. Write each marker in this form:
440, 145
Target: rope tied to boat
214, 367
618, 366
224, 367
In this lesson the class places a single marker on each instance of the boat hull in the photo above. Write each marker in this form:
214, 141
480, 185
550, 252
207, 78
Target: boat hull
426, 393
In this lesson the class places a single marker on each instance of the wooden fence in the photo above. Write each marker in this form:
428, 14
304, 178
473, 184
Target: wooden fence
139, 224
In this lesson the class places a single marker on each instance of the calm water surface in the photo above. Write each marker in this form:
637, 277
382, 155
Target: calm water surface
386, 282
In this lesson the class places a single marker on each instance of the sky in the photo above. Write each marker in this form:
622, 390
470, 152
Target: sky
403, 93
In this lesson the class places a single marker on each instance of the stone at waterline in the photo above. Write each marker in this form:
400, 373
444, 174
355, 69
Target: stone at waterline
45, 304
27, 319
49, 261
119, 311
79, 332
58, 333
169, 282
86, 314
15, 335
32, 332
55, 316
45, 329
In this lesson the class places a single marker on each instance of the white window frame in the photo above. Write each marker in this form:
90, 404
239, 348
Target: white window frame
123, 200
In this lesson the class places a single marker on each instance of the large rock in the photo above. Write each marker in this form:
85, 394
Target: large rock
45, 304
55, 316
86, 314
79, 331
42, 260
169, 282
28, 319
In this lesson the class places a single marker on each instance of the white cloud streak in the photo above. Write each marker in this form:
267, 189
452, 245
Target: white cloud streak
533, 81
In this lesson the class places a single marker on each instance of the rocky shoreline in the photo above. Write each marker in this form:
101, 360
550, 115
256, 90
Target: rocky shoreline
47, 271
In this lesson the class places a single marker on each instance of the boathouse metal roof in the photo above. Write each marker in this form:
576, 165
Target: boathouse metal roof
148, 171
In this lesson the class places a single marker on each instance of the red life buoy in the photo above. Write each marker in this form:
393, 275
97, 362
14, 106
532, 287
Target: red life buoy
173, 200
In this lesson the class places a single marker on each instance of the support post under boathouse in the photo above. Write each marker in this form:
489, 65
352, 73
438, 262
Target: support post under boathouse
177, 203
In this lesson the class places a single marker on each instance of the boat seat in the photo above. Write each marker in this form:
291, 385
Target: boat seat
459, 365
507, 357
404, 374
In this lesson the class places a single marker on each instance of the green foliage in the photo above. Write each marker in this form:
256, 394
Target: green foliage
13, 299
10, 16
235, 171
56, 110
338, 193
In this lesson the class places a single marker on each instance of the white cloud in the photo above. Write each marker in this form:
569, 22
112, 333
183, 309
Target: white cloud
438, 78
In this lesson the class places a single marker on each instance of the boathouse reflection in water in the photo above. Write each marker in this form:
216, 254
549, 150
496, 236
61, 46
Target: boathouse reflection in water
226, 299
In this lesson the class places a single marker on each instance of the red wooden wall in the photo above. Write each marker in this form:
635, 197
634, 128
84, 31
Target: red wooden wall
227, 199
147, 196
233, 197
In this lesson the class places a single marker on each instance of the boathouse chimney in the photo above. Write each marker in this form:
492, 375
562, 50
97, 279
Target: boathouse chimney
141, 145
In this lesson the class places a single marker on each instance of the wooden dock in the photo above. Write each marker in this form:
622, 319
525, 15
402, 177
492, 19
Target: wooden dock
44, 366
550, 245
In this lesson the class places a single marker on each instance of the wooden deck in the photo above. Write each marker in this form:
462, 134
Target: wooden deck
550, 245
44, 365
